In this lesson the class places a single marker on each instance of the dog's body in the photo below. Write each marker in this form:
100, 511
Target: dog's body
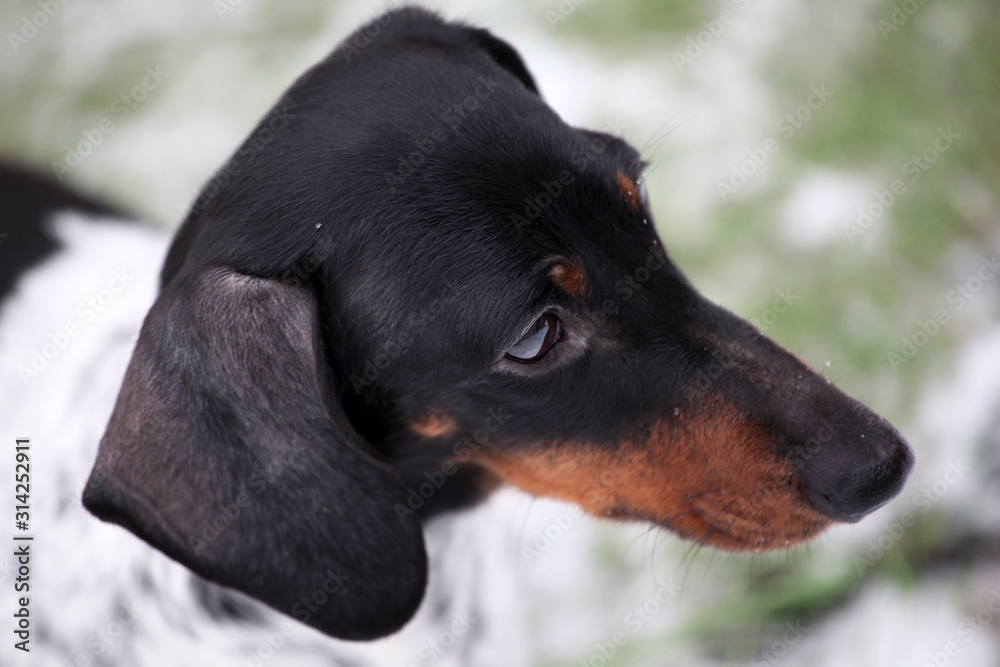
101, 597
413, 284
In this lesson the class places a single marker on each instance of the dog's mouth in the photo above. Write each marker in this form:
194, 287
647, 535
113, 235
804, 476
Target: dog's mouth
740, 525
718, 519
721, 512
715, 477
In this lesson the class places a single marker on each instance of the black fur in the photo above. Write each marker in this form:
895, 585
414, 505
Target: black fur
363, 261
26, 203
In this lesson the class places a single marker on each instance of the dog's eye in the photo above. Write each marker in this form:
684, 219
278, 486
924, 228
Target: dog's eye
545, 333
640, 187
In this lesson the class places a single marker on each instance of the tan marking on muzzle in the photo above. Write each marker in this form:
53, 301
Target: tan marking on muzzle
709, 476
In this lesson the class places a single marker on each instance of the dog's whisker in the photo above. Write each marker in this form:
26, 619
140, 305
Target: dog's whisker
725, 531
649, 148
643, 536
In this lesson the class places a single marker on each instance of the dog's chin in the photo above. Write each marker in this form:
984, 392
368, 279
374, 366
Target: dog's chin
748, 532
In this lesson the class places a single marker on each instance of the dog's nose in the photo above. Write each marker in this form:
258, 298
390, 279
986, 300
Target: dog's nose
848, 491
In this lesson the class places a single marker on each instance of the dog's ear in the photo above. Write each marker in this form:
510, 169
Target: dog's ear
504, 55
417, 24
226, 451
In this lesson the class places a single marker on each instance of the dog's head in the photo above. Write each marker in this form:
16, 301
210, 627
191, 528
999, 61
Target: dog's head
414, 282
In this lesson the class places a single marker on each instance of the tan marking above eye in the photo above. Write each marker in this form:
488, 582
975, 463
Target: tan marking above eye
569, 277
707, 476
629, 191
434, 425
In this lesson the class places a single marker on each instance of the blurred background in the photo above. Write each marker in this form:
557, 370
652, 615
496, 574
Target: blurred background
829, 171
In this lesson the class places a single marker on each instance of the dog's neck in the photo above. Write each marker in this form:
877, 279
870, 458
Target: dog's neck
80, 311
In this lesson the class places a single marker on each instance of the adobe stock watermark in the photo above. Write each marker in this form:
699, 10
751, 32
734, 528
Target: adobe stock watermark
562, 12
87, 311
786, 127
928, 496
535, 205
33, 23
632, 624
263, 136
321, 595
101, 640
779, 648
453, 117
713, 29
394, 347
436, 647
225, 515
362, 38
957, 298
782, 303
225, 7
70, 495
462, 451
900, 16
272, 640
122, 107
561, 522
630, 284
300, 273
722, 361
967, 630
912, 169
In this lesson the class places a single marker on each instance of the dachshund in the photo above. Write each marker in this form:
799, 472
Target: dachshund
414, 284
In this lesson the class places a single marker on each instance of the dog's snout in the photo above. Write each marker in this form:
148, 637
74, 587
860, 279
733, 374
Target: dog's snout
848, 490
830, 457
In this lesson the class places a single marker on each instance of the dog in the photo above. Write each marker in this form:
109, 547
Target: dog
413, 285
